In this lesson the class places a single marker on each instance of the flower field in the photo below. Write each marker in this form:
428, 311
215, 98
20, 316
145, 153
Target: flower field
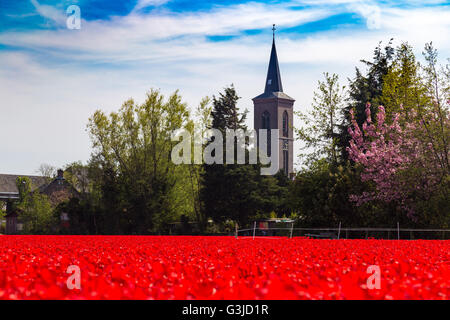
165, 267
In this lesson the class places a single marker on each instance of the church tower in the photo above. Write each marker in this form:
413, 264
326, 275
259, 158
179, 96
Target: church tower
274, 110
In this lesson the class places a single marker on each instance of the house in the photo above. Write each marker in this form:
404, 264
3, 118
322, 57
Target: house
57, 190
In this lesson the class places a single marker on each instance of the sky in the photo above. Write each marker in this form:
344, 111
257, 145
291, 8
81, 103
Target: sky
53, 78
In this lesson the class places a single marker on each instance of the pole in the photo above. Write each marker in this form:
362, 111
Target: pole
236, 231
339, 232
398, 231
292, 229
254, 230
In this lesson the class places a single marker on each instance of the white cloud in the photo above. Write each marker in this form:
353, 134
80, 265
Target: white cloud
371, 12
146, 3
122, 35
49, 12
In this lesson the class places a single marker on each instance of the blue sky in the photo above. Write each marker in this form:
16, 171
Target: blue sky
53, 78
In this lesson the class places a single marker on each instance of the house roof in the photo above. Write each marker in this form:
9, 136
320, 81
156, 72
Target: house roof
8, 183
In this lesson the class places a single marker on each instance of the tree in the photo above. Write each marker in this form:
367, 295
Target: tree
221, 192
365, 88
196, 171
402, 85
320, 125
437, 90
237, 192
77, 175
135, 178
319, 196
35, 209
46, 170
82, 210
225, 114
397, 161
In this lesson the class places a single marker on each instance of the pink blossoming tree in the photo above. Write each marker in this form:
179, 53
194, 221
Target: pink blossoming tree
401, 160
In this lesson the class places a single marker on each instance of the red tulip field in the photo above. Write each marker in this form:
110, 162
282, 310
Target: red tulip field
198, 267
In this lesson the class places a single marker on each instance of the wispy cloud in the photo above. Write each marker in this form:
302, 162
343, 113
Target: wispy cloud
52, 80
49, 12
147, 3
371, 12
154, 26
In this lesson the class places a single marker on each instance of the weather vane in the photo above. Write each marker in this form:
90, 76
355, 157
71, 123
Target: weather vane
273, 29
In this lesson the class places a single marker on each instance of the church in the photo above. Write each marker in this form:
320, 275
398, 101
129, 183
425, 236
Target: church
274, 109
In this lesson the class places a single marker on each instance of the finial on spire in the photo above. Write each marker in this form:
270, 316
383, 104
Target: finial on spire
273, 29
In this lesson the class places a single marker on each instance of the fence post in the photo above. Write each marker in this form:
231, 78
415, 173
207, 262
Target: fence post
254, 230
292, 229
398, 231
339, 232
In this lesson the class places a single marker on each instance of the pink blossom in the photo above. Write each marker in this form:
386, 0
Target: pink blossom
386, 152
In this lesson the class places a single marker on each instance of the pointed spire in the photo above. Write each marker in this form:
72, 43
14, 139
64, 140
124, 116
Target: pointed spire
273, 81
274, 88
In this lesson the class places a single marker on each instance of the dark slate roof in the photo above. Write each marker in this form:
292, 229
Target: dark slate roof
273, 80
274, 87
278, 95
8, 182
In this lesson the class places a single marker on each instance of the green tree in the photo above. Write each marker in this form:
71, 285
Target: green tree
227, 186
136, 180
437, 84
35, 209
415, 95
365, 87
319, 195
420, 94
195, 170
402, 86
237, 192
320, 129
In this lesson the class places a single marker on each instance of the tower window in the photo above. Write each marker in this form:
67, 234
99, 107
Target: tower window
266, 120
285, 124
269, 82
266, 125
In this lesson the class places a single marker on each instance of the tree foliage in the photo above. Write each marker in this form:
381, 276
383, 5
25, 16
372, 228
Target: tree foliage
134, 175
238, 192
35, 210
320, 126
367, 86
406, 159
